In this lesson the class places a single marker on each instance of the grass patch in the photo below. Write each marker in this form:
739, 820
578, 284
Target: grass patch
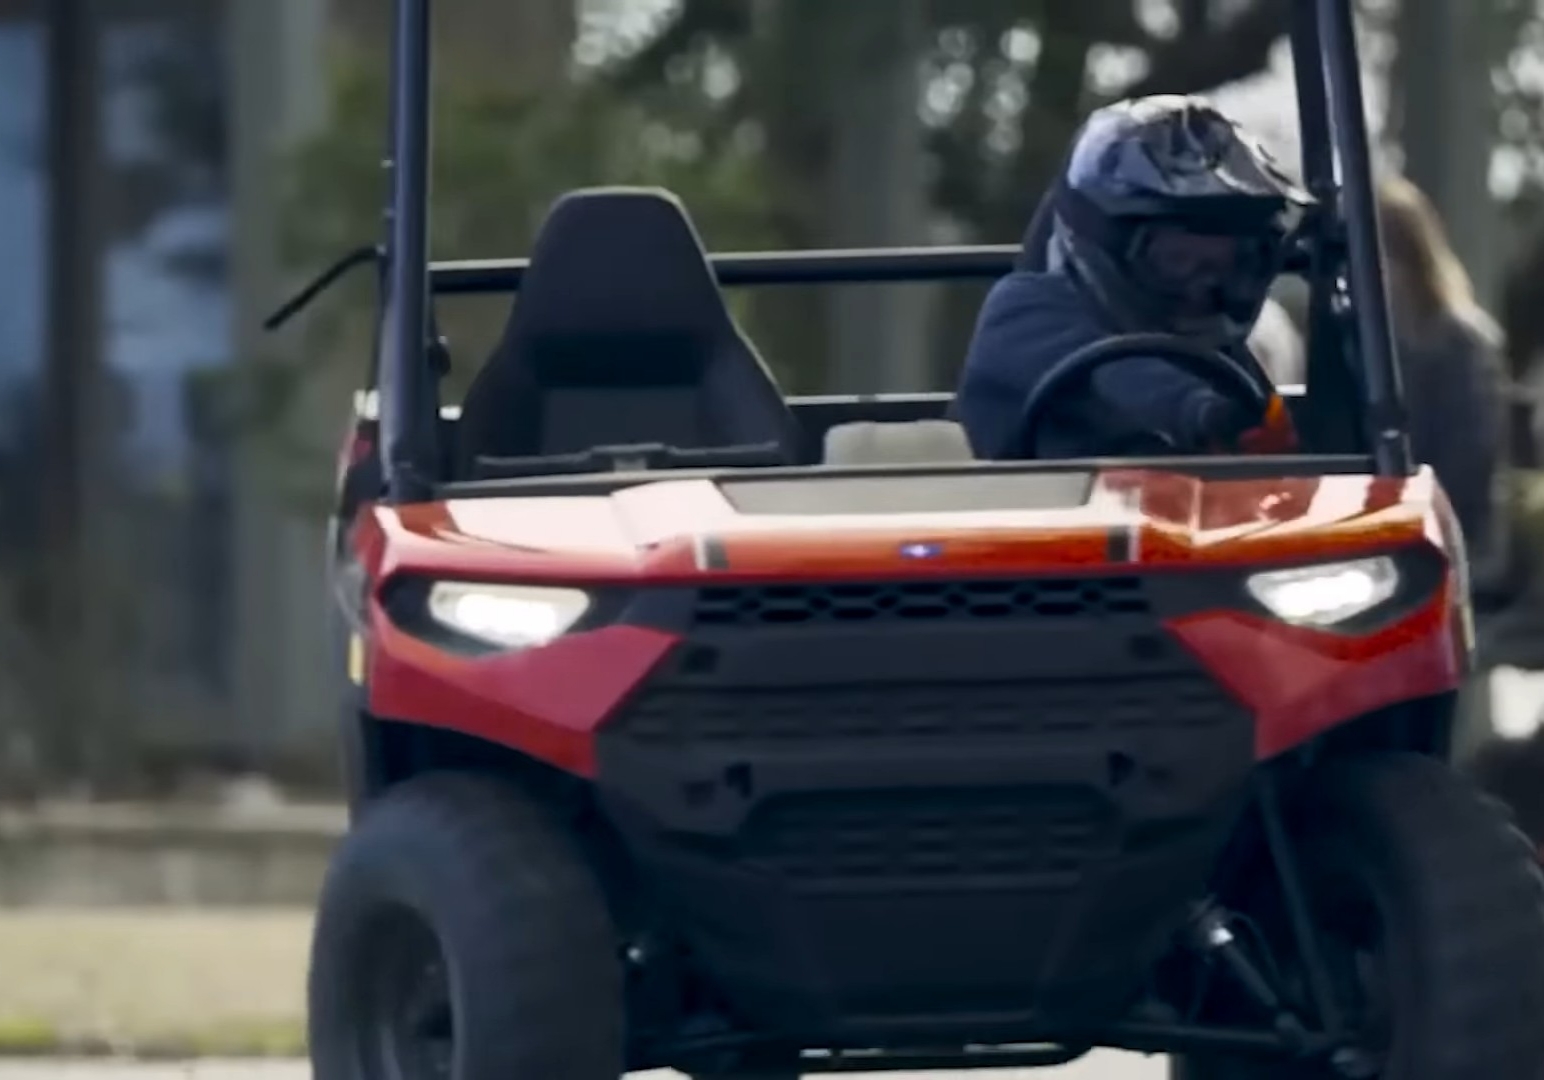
23, 1037
26, 1035
155, 983
244, 1038
257, 1038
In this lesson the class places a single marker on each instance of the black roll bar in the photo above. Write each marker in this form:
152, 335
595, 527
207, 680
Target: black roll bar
1359, 208
830, 267
407, 411
1336, 420
1318, 156
834, 266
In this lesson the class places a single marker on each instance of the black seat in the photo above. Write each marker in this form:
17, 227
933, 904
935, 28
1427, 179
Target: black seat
620, 336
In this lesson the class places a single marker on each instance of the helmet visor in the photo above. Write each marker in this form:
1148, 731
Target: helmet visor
1201, 276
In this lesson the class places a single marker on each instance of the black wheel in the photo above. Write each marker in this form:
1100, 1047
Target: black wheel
461, 935
1430, 908
1514, 773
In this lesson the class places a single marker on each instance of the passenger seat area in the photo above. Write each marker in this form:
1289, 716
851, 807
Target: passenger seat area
620, 337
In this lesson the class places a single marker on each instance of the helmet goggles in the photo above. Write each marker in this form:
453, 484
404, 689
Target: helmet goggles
1199, 274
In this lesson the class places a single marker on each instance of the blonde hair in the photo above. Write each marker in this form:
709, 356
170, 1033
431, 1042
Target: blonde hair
1434, 282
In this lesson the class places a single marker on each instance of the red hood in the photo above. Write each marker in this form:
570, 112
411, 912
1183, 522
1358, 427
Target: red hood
687, 528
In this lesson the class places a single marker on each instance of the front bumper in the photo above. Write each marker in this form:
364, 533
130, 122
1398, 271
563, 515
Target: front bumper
960, 809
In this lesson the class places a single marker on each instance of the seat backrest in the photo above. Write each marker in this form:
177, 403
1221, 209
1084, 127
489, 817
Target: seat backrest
619, 336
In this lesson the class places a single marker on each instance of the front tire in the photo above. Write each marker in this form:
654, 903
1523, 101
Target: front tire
461, 935
1454, 909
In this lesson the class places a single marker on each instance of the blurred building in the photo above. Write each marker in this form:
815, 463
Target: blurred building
206, 604
205, 607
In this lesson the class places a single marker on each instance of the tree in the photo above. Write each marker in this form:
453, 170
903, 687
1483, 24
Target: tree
876, 192
70, 447
1445, 120
504, 149
523, 45
1007, 83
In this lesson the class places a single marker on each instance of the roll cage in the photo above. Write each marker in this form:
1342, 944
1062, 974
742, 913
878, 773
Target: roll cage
1353, 379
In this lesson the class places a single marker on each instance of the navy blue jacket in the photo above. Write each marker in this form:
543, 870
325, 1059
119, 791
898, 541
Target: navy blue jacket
1029, 322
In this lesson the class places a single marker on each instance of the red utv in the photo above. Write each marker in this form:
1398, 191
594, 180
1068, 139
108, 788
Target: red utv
696, 727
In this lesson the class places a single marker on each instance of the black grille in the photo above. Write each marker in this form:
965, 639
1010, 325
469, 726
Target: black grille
1055, 598
666, 716
896, 836
682, 715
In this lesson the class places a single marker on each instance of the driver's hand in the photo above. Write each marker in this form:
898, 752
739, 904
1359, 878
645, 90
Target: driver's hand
1230, 428
1220, 423
1274, 434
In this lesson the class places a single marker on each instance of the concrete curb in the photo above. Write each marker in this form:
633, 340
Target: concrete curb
105, 855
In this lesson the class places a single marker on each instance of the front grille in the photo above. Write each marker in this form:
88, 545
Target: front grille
1003, 599
898, 836
671, 715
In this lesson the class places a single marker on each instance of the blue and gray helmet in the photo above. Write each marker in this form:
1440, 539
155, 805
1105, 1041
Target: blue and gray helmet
1174, 218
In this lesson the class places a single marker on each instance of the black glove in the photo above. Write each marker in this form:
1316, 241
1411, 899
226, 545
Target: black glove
1217, 422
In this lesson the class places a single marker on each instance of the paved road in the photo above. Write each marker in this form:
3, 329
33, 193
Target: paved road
1093, 1067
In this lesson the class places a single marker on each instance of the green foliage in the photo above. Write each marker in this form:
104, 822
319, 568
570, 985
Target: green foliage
1007, 82
500, 158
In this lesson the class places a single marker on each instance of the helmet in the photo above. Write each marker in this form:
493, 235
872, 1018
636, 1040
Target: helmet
1175, 218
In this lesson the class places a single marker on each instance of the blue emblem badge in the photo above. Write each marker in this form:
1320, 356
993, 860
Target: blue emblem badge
920, 550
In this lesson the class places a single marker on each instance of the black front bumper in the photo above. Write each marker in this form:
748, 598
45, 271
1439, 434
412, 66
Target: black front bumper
967, 810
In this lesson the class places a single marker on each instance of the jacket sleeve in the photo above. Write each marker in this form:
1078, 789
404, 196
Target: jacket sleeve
1155, 395
1003, 362
1027, 325
1147, 393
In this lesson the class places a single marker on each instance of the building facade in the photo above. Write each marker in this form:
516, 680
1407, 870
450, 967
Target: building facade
194, 595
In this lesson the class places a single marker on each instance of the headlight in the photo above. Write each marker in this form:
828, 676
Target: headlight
1327, 594
509, 616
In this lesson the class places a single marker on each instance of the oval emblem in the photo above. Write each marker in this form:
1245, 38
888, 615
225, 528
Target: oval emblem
918, 549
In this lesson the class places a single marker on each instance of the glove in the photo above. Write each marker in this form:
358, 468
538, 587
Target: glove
1225, 426
1275, 433
1217, 423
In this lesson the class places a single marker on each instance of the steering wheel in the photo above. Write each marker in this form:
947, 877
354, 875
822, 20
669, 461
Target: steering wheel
1216, 368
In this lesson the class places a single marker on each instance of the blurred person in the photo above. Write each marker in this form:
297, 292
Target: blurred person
1455, 391
1522, 317
1450, 358
1167, 218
